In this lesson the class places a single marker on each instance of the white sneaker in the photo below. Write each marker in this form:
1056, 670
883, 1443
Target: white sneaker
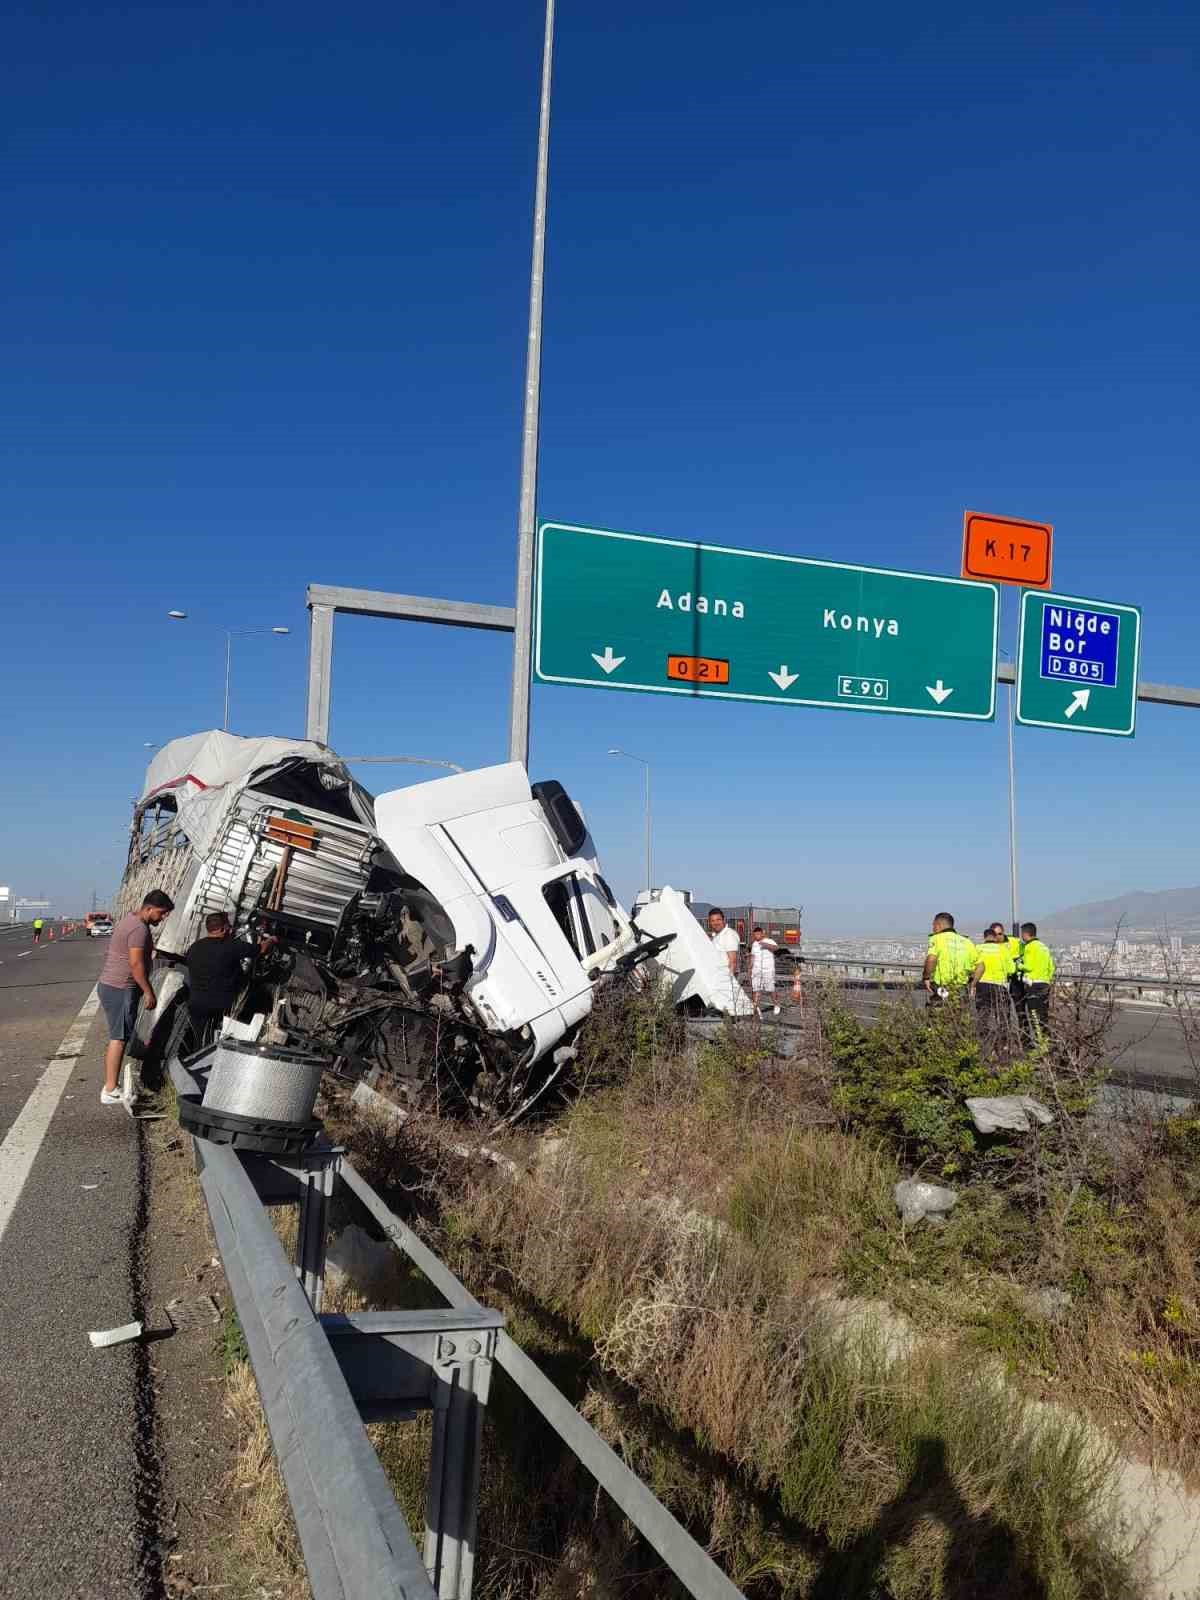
111, 1097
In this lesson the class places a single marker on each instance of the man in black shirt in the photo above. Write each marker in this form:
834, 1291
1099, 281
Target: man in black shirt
215, 975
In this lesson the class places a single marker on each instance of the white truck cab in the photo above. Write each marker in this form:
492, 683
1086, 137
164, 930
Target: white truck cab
516, 871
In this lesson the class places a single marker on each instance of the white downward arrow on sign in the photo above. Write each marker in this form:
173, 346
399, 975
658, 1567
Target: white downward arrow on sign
608, 661
939, 691
1079, 702
783, 677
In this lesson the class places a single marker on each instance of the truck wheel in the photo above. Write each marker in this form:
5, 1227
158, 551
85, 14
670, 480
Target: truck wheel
166, 1042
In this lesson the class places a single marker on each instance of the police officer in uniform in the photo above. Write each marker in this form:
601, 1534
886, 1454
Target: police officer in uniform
1015, 987
990, 984
1037, 973
950, 963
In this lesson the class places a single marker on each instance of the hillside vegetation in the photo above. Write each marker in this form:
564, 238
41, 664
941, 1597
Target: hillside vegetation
709, 1249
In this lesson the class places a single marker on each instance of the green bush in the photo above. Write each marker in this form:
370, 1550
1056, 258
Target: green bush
909, 1076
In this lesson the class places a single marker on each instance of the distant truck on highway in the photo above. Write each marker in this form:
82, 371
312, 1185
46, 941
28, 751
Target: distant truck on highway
443, 941
780, 923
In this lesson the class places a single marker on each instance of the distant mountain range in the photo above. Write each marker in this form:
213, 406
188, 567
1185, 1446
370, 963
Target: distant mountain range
1175, 910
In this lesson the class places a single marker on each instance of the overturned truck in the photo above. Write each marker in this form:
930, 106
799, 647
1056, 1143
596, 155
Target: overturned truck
442, 941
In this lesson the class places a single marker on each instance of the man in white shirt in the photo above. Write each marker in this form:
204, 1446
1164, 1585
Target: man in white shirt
726, 941
762, 971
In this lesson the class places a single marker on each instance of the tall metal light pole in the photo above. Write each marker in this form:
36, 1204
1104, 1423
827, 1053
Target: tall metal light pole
649, 835
230, 635
518, 719
1012, 812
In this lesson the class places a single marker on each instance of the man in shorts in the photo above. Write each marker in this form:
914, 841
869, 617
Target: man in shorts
124, 975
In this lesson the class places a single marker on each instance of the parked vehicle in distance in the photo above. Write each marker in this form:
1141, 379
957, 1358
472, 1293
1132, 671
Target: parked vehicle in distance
97, 925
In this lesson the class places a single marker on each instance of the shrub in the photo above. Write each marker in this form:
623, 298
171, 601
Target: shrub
908, 1077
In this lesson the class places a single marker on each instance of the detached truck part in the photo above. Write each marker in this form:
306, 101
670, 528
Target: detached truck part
442, 941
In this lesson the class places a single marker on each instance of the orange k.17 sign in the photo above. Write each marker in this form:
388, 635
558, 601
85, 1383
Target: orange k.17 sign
1006, 550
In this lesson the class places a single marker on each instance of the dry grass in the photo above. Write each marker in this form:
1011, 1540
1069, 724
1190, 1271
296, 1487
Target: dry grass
674, 1257
263, 1539
829, 1468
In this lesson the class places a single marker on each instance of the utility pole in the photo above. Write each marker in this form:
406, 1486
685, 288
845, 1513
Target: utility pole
518, 721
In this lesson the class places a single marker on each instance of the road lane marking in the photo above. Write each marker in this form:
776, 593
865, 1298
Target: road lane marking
24, 1138
21, 953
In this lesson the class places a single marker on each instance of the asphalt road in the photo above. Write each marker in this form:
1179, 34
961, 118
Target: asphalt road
77, 1471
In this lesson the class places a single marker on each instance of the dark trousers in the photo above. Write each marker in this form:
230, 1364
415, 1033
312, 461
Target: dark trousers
204, 1025
994, 1012
1035, 1011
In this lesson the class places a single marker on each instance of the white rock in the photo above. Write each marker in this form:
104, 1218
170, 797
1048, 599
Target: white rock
1049, 1304
917, 1199
355, 1255
1008, 1113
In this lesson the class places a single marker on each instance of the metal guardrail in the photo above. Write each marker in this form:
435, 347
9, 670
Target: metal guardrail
865, 967
321, 1377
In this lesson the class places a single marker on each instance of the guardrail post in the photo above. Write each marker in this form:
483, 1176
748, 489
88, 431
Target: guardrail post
317, 1173
464, 1366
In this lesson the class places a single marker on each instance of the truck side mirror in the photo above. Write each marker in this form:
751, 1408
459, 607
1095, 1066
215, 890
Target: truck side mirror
567, 826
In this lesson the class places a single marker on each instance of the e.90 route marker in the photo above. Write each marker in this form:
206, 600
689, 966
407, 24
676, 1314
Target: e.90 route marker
617, 610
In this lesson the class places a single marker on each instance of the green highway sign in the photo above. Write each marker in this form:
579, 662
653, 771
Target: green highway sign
1078, 664
664, 616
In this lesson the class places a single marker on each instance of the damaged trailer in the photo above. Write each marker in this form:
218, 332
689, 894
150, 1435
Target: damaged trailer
442, 941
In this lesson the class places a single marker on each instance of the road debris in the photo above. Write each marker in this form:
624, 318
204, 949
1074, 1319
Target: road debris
197, 1311
123, 1335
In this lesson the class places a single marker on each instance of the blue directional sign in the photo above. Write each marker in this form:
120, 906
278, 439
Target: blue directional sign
1078, 664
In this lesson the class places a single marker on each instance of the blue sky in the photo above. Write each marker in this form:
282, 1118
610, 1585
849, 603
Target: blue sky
819, 278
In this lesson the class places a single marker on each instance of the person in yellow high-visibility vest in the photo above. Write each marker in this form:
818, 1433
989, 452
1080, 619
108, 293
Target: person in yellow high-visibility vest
1015, 986
990, 985
950, 962
1037, 974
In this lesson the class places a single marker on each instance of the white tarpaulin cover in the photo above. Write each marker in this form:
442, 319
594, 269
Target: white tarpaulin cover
205, 770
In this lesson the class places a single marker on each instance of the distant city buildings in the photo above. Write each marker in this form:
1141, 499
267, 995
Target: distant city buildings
1137, 954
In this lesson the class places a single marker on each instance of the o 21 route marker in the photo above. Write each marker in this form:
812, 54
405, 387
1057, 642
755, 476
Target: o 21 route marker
1078, 664
620, 610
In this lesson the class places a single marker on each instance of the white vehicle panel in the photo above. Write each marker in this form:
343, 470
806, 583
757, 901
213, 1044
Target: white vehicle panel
695, 968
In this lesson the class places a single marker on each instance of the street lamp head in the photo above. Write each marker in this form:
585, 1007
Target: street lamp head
281, 630
616, 752
177, 616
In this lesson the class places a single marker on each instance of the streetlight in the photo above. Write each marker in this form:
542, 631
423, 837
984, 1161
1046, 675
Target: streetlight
230, 635
649, 855
518, 719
